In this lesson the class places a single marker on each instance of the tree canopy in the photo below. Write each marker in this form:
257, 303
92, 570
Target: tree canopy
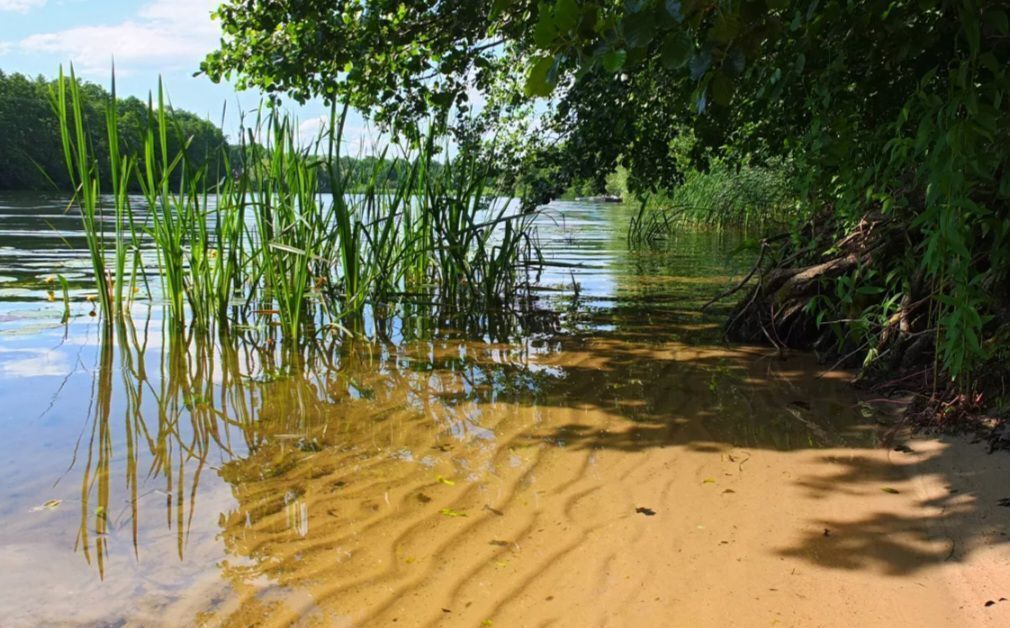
896, 106
841, 78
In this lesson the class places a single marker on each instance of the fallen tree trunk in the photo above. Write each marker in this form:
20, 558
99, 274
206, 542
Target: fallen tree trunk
776, 307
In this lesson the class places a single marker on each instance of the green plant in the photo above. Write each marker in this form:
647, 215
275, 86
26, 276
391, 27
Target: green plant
289, 230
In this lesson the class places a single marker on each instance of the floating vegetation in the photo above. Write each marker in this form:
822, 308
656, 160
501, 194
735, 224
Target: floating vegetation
52, 504
449, 512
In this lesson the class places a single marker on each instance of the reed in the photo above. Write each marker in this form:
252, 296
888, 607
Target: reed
280, 229
724, 196
108, 262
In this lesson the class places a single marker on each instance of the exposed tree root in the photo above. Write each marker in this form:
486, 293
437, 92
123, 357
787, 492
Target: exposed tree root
776, 306
895, 357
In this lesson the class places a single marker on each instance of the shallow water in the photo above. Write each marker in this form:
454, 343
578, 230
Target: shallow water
596, 468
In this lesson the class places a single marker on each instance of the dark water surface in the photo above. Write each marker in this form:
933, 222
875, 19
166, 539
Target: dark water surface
151, 477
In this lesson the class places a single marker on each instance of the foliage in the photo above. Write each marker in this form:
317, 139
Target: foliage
899, 106
745, 197
261, 238
31, 156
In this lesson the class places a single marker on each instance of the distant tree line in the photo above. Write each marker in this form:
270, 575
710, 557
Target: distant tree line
30, 154
31, 157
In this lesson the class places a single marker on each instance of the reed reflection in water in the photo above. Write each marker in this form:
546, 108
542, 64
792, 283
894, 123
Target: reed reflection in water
189, 402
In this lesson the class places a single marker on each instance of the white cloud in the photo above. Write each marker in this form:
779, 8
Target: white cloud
5, 47
20, 6
37, 363
311, 130
168, 34
358, 141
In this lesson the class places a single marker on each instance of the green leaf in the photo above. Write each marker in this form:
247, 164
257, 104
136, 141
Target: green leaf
634, 6
498, 7
998, 20
676, 51
566, 15
673, 8
701, 101
725, 27
538, 82
639, 29
545, 33
700, 63
722, 89
614, 60
869, 290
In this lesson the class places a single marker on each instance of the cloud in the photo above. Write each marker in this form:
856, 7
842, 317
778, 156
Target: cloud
166, 34
36, 363
364, 141
20, 6
5, 47
310, 130
358, 141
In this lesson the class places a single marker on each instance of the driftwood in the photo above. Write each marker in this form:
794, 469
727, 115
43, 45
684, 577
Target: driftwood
774, 308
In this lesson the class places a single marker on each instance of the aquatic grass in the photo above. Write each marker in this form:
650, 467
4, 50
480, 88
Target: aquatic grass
189, 399
86, 178
743, 197
273, 227
65, 287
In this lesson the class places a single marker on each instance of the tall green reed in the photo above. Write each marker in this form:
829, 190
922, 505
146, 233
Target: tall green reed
724, 196
86, 177
289, 230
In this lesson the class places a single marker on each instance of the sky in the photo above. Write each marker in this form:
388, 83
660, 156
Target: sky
147, 39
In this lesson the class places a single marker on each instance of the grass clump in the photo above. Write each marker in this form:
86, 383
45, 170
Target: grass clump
745, 197
272, 227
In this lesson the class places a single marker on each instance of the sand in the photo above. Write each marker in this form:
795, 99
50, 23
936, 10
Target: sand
660, 485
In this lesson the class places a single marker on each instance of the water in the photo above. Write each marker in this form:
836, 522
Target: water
424, 476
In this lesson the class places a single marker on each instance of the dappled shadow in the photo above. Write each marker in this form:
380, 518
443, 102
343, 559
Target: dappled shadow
893, 544
449, 409
672, 392
929, 507
324, 448
350, 465
935, 503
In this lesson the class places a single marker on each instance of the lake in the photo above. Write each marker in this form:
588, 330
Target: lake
601, 457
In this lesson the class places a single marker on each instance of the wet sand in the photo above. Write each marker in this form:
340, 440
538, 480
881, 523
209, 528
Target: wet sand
625, 502
629, 470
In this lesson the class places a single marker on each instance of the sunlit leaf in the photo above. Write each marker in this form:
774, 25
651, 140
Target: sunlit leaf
614, 60
537, 82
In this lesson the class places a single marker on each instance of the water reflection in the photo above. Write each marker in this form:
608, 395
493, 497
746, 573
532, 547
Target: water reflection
427, 467
167, 406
